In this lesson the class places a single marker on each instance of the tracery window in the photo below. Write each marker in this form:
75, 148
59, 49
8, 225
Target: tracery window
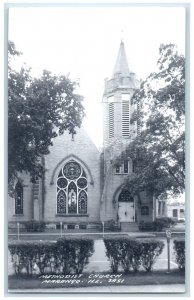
18, 199
125, 196
72, 189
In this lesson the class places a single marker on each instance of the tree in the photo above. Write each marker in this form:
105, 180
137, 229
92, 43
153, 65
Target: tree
39, 109
158, 150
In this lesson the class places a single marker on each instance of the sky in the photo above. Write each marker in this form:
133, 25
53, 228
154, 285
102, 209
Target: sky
84, 42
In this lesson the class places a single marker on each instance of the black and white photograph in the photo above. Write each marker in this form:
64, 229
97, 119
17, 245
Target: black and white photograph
96, 97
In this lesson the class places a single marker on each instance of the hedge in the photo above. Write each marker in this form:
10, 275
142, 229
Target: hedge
158, 225
179, 248
128, 253
66, 256
150, 250
34, 226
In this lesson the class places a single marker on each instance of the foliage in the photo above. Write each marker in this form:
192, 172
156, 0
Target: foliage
130, 253
167, 221
179, 248
157, 225
67, 255
76, 252
113, 251
111, 225
30, 255
150, 250
39, 109
146, 226
158, 151
34, 226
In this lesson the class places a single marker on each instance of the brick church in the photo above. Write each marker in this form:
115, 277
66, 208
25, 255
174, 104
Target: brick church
81, 186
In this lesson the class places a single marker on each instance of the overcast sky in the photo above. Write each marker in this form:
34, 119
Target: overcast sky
84, 42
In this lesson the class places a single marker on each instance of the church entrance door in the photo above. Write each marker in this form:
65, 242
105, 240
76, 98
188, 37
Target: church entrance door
126, 212
126, 207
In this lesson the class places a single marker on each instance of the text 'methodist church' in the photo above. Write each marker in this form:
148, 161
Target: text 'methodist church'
81, 185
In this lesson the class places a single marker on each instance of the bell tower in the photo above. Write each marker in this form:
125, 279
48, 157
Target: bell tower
117, 202
117, 109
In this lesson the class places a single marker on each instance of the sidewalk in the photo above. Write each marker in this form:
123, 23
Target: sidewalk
137, 289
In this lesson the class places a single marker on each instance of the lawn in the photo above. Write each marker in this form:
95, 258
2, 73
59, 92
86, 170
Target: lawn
95, 279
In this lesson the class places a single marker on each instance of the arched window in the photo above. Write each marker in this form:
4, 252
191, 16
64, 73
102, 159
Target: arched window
18, 199
72, 189
125, 196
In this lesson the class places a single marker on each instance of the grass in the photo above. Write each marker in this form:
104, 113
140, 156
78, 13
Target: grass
49, 237
96, 279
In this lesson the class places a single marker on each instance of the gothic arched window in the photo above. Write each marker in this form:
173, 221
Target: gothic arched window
125, 196
18, 199
72, 189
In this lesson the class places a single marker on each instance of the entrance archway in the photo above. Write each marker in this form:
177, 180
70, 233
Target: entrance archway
126, 211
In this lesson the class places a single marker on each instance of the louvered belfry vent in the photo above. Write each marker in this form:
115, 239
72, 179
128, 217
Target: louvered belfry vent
125, 118
111, 120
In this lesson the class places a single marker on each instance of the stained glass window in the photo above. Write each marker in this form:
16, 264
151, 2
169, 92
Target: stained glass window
72, 189
82, 202
18, 198
125, 196
61, 201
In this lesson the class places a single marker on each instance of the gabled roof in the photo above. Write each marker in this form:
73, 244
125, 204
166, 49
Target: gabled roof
121, 66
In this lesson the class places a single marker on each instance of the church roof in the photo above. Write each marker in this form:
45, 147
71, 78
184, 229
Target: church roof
121, 65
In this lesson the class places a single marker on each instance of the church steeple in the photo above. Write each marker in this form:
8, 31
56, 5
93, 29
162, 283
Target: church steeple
117, 107
121, 65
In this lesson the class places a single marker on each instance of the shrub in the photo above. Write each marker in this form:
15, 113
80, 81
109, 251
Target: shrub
64, 256
113, 252
150, 250
163, 222
158, 225
26, 255
111, 225
34, 226
75, 253
179, 248
131, 253
146, 226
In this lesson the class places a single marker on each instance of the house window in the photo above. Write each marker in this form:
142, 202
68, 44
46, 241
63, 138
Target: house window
182, 213
72, 189
118, 169
175, 213
126, 167
145, 211
18, 199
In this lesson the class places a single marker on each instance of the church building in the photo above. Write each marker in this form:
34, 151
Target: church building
81, 186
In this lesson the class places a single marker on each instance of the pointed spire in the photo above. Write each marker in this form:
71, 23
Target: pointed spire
121, 65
